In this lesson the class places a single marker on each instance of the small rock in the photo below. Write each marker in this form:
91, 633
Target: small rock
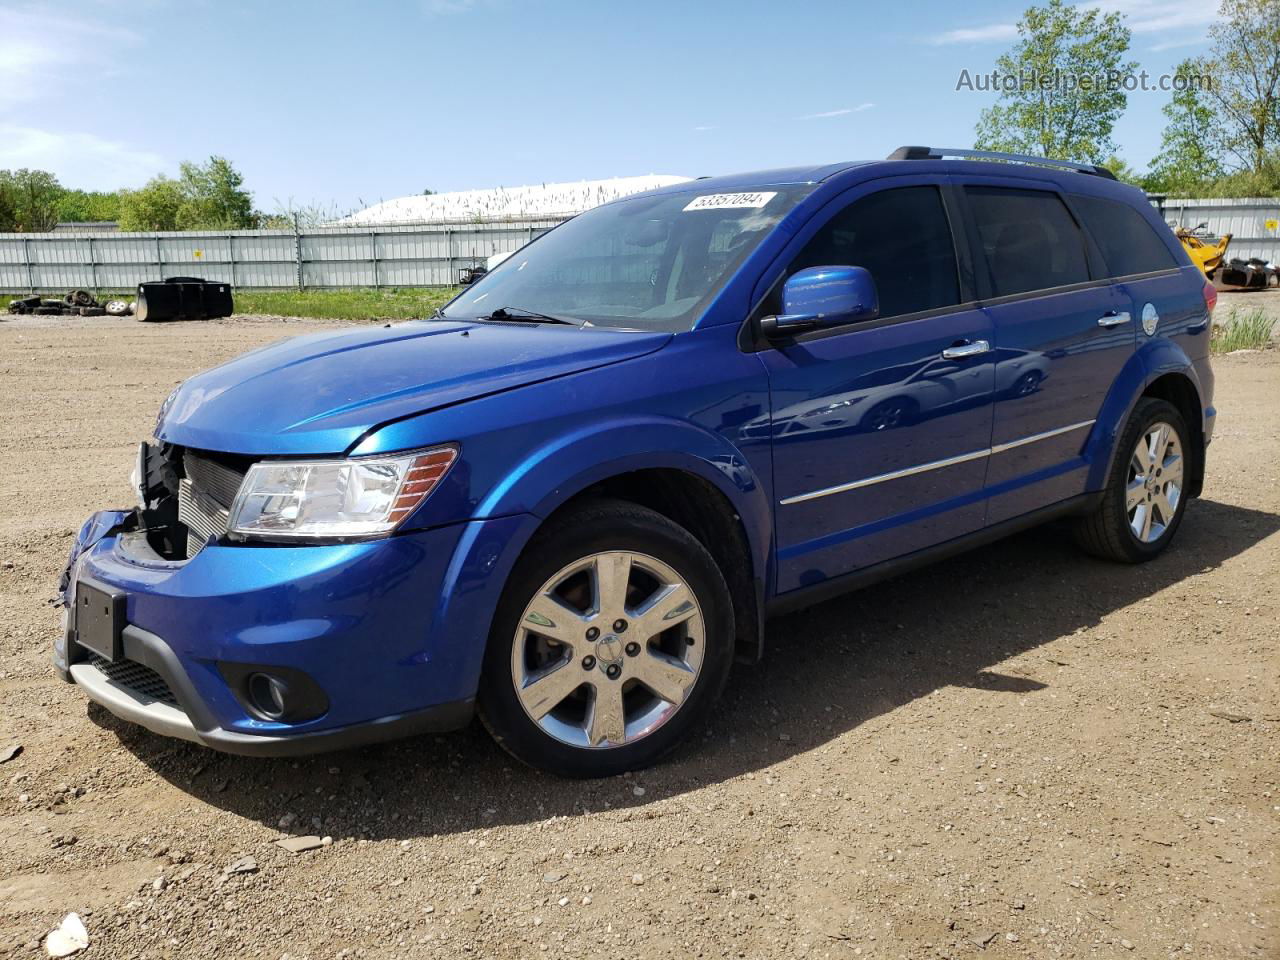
983, 939
24, 798
158, 884
9, 751
555, 876
67, 938
586, 901
638, 791
287, 821
405, 844
1011, 937
563, 901
326, 841
1127, 944
300, 844
637, 879
243, 865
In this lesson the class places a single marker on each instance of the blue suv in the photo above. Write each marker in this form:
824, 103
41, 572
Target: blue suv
569, 501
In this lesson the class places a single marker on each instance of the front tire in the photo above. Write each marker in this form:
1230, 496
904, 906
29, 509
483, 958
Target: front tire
611, 642
1145, 497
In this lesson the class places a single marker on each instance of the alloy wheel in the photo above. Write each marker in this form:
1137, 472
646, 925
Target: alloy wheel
1154, 489
608, 649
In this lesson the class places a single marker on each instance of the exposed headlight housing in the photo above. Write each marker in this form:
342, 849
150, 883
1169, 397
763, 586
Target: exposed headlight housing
336, 499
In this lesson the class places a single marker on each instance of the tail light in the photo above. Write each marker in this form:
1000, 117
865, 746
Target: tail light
1210, 297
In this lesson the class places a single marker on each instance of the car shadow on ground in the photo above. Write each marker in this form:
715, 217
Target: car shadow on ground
827, 670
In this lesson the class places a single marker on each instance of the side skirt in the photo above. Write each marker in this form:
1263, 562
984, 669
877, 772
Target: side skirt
855, 580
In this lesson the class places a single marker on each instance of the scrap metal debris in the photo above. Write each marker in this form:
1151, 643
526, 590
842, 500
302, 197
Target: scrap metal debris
77, 303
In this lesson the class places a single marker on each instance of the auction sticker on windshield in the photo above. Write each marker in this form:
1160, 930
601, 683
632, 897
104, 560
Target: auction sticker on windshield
721, 201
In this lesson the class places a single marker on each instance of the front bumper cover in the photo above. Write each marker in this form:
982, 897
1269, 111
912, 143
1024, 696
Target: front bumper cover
393, 631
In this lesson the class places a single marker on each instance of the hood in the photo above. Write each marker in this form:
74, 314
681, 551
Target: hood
319, 394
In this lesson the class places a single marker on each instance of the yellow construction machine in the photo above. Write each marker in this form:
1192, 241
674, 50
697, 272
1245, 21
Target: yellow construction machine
1205, 252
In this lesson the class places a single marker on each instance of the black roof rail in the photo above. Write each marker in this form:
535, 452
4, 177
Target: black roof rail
938, 153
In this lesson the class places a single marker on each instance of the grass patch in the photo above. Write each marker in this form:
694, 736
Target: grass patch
1243, 330
344, 304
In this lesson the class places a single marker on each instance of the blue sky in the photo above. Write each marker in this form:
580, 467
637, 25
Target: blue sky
337, 103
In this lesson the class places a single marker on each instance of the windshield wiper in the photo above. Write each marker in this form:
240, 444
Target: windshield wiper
518, 314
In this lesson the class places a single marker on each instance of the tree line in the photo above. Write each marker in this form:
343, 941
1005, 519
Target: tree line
204, 196
1222, 121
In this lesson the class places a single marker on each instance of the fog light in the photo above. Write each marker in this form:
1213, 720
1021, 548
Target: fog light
269, 695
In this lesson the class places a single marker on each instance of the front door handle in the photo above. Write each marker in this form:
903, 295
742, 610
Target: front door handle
1113, 318
969, 348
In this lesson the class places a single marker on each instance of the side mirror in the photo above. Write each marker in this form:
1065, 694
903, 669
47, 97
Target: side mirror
819, 297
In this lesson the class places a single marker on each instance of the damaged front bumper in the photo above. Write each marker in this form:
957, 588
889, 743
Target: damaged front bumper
355, 634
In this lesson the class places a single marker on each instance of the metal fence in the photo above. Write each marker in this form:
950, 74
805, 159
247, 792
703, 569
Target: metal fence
418, 255
421, 255
1253, 222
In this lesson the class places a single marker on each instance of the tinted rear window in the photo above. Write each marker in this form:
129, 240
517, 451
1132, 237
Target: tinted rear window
1029, 238
902, 237
1128, 242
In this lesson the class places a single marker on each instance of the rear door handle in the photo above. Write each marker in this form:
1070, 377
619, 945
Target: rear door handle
969, 348
1113, 319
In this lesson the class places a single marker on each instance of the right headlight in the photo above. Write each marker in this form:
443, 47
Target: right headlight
358, 497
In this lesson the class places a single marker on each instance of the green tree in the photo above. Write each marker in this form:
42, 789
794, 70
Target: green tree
214, 197
8, 204
208, 196
29, 200
88, 206
1189, 152
152, 207
1064, 102
1123, 172
1244, 60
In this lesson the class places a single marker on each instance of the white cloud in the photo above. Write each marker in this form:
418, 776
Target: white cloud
38, 46
1175, 44
987, 34
1141, 16
1154, 16
702, 129
80, 160
842, 112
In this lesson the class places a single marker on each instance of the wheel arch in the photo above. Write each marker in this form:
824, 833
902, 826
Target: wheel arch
1161, 370
692, 476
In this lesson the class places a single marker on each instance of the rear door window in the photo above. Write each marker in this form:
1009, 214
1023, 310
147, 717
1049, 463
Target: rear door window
1029, 238
902, 237
1128, 242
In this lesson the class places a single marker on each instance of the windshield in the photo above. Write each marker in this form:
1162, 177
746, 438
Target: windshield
651, 263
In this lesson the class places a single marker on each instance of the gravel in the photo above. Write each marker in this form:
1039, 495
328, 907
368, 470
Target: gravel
1021, 748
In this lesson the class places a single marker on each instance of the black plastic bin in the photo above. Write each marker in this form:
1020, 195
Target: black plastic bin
183, 298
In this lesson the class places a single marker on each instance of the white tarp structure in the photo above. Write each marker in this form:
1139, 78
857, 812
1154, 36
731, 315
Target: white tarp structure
507, 203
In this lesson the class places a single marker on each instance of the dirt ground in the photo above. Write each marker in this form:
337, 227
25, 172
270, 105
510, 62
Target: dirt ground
1022, 752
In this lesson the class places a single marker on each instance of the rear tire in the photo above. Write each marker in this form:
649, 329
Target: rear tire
629, 618
1145, 496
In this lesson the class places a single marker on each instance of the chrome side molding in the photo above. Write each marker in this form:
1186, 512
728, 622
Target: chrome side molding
933, 465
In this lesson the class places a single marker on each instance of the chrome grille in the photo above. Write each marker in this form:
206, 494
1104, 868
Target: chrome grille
143, 681
205, 497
